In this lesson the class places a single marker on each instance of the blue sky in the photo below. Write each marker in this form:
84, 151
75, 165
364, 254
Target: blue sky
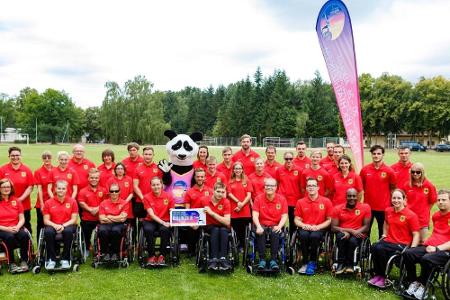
77, 46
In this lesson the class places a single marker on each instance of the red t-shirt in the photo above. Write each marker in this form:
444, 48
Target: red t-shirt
82, 168
144, 173
9, 212
340, 185
420, 200
441, 229
289, 184
270, 211
377, 182
258, 183
161, 205
401, 225
222, 208
248, 161
332, 169
199, 164
22, 178
194, 195
322, 177
106, 173
92, 199
272, 168
42, 178
131, 165
302, 163
328, 160
240, 190
68, 175
60, 212
126, 188
351, 218
212, 180
313, 212
107, 207
222, 168
402, 173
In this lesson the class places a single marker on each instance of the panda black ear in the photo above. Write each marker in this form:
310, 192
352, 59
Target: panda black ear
170, 134
196, 136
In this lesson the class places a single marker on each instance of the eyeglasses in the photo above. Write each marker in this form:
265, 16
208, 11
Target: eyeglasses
114, 191
416, 172
270, 186
288, 158
46, 156
311, 186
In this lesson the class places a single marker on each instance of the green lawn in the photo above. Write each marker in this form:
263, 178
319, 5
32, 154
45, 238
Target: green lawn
184, 282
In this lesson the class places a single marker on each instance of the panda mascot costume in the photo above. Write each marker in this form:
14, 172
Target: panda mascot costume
178, 172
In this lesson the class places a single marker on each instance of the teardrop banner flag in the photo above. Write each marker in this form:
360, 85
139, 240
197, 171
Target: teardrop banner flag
334, 30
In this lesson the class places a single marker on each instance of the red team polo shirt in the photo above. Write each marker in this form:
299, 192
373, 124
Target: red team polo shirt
131, 165
376, 182
313, 212
60, 212
248, 161
289, 184
351, 218
272, 168
92, 199
69, 175
161, 205
82, 168
332, 169
441, 229
402, 172
145, 173
105, 173
126, 188
258, 183
322, 177
401, 225
199, 164
222, 208
212, 180
240, 190
225, 170
420, 200
324, 162
340, 185
21, 179
107, 207
270, 212
303, 163
42, 178
9, 212
194, 195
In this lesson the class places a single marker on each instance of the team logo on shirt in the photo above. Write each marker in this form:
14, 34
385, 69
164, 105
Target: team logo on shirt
125, 184
252, 159
67, 205
306, 166
166, 201
426, 191
278, 206
402, 218
206, 193
220, 207
69, 176
155, 171
295, 173
357, 212
120, 206
383, 174
321, 206
85, 167
319, 178
100, 194
13, 203
24, 174
350, 181
218, 180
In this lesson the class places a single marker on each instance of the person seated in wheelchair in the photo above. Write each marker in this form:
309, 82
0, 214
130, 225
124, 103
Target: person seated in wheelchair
351, 223
12, 231
157, 204
270, 213
313, 218
400, 230
218, 220
60, 217
112, 216
435, 252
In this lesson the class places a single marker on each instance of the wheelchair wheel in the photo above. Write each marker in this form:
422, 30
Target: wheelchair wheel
203, 256
36, 270
233, 249
40, 253
174, 248
245, 256
131, 249
445, 284
80, 246
141, 246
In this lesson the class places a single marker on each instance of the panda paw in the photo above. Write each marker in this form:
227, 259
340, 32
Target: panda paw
165, 166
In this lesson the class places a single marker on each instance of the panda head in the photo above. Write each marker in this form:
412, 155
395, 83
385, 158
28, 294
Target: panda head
182, 148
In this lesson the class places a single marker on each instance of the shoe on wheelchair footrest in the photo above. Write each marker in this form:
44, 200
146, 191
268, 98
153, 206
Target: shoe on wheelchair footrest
273, 265
224, 264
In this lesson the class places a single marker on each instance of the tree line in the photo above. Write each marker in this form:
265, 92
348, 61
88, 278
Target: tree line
260, 106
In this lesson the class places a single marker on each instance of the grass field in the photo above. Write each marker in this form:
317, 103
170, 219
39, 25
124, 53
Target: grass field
184, 282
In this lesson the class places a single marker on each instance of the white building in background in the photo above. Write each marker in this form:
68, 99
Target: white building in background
13, 134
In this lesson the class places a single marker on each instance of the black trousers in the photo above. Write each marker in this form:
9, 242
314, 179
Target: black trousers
50, 241
378, 215
39, 222
381, 252
239, 225
427, 262
110, 236
274, 243
27, 215
149, 233
291, 216
346, 248
12, 240
219, 240
88, 227
310, 243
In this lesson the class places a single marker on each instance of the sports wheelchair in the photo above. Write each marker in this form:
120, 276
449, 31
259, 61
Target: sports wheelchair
250, 252
323, 255
360, 258
77, 252
204, 250
173, 253
126, 250
4, 254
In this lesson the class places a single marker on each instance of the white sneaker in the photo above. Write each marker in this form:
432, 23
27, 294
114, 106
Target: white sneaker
420, 292
302, 270
50, 265
65, 264
412, 288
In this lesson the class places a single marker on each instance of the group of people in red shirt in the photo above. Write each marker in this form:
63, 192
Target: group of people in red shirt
313, 194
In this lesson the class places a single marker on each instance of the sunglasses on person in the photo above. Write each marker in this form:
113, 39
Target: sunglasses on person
288, 158
416, 172
114, 191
